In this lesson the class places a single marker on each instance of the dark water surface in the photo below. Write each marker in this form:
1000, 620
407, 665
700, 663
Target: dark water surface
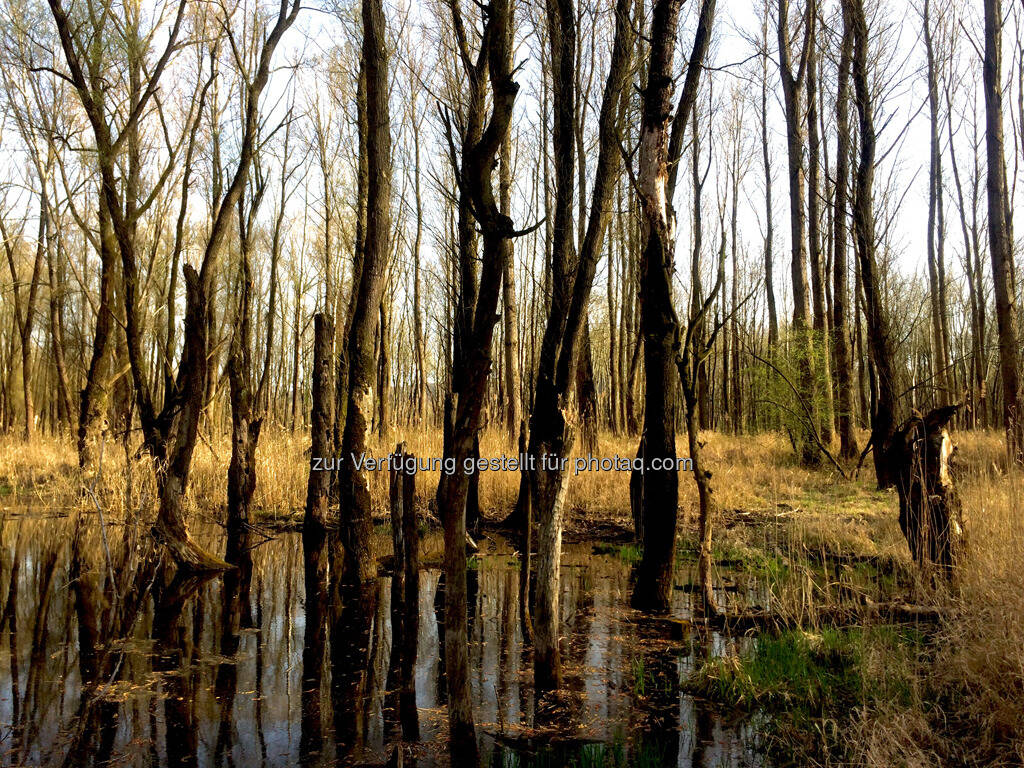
227, 672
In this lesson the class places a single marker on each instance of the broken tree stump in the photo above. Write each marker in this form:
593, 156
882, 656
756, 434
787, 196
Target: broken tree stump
930, 515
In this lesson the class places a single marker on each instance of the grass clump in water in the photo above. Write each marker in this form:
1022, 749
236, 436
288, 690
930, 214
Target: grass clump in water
586, 755
630, 554
810, 685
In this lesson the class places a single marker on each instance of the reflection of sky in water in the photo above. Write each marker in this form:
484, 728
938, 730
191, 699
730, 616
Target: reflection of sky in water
262, 722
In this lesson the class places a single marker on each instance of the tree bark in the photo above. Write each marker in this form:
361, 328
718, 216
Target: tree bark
1000, 235
514, 408
821, 337
792, 83
551, 434
318, 487
769, 220
355, 489
936, 234
883, 415
476, 183
840, 246
659, 325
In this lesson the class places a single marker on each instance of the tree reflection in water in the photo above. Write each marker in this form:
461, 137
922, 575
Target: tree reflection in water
282, 662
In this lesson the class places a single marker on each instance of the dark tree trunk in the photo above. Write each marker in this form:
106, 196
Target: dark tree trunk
473, 359
563, 346
658, 323
355, 491
769, 225
318, 487
840, 246
930, 515
820, 341
936, 232
883, 415
792, 84
1000, 235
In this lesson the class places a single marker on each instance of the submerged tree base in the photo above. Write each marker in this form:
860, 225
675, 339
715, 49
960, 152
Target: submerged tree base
184, 551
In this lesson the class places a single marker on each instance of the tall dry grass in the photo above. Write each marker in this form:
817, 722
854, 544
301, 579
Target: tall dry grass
968, 707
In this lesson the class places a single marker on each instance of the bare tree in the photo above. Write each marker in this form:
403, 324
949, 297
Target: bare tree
551, 434
883, 416
658, 162
840, 249
475, 179
355, 490
170, 432
1000, 236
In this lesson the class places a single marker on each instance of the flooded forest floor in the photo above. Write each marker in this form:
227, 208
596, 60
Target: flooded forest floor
249, 669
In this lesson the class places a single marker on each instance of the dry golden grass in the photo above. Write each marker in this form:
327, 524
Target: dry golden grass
756, 477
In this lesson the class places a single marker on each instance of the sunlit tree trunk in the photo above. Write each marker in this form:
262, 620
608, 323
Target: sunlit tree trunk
355, 490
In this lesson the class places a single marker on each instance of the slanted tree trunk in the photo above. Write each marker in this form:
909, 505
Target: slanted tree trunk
174, 468
693, 355
246, 402
94, 395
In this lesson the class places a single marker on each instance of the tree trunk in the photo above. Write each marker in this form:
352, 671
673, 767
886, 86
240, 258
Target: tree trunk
318, 487
562, 353
821, 330
792, 83
510, 329
658, 161
173, 471
355, 490
936, 233
658, 324
883, 416
474, 357
769, 221
1000, 236
840, 293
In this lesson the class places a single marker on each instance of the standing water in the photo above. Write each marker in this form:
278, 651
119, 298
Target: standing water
227, 672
